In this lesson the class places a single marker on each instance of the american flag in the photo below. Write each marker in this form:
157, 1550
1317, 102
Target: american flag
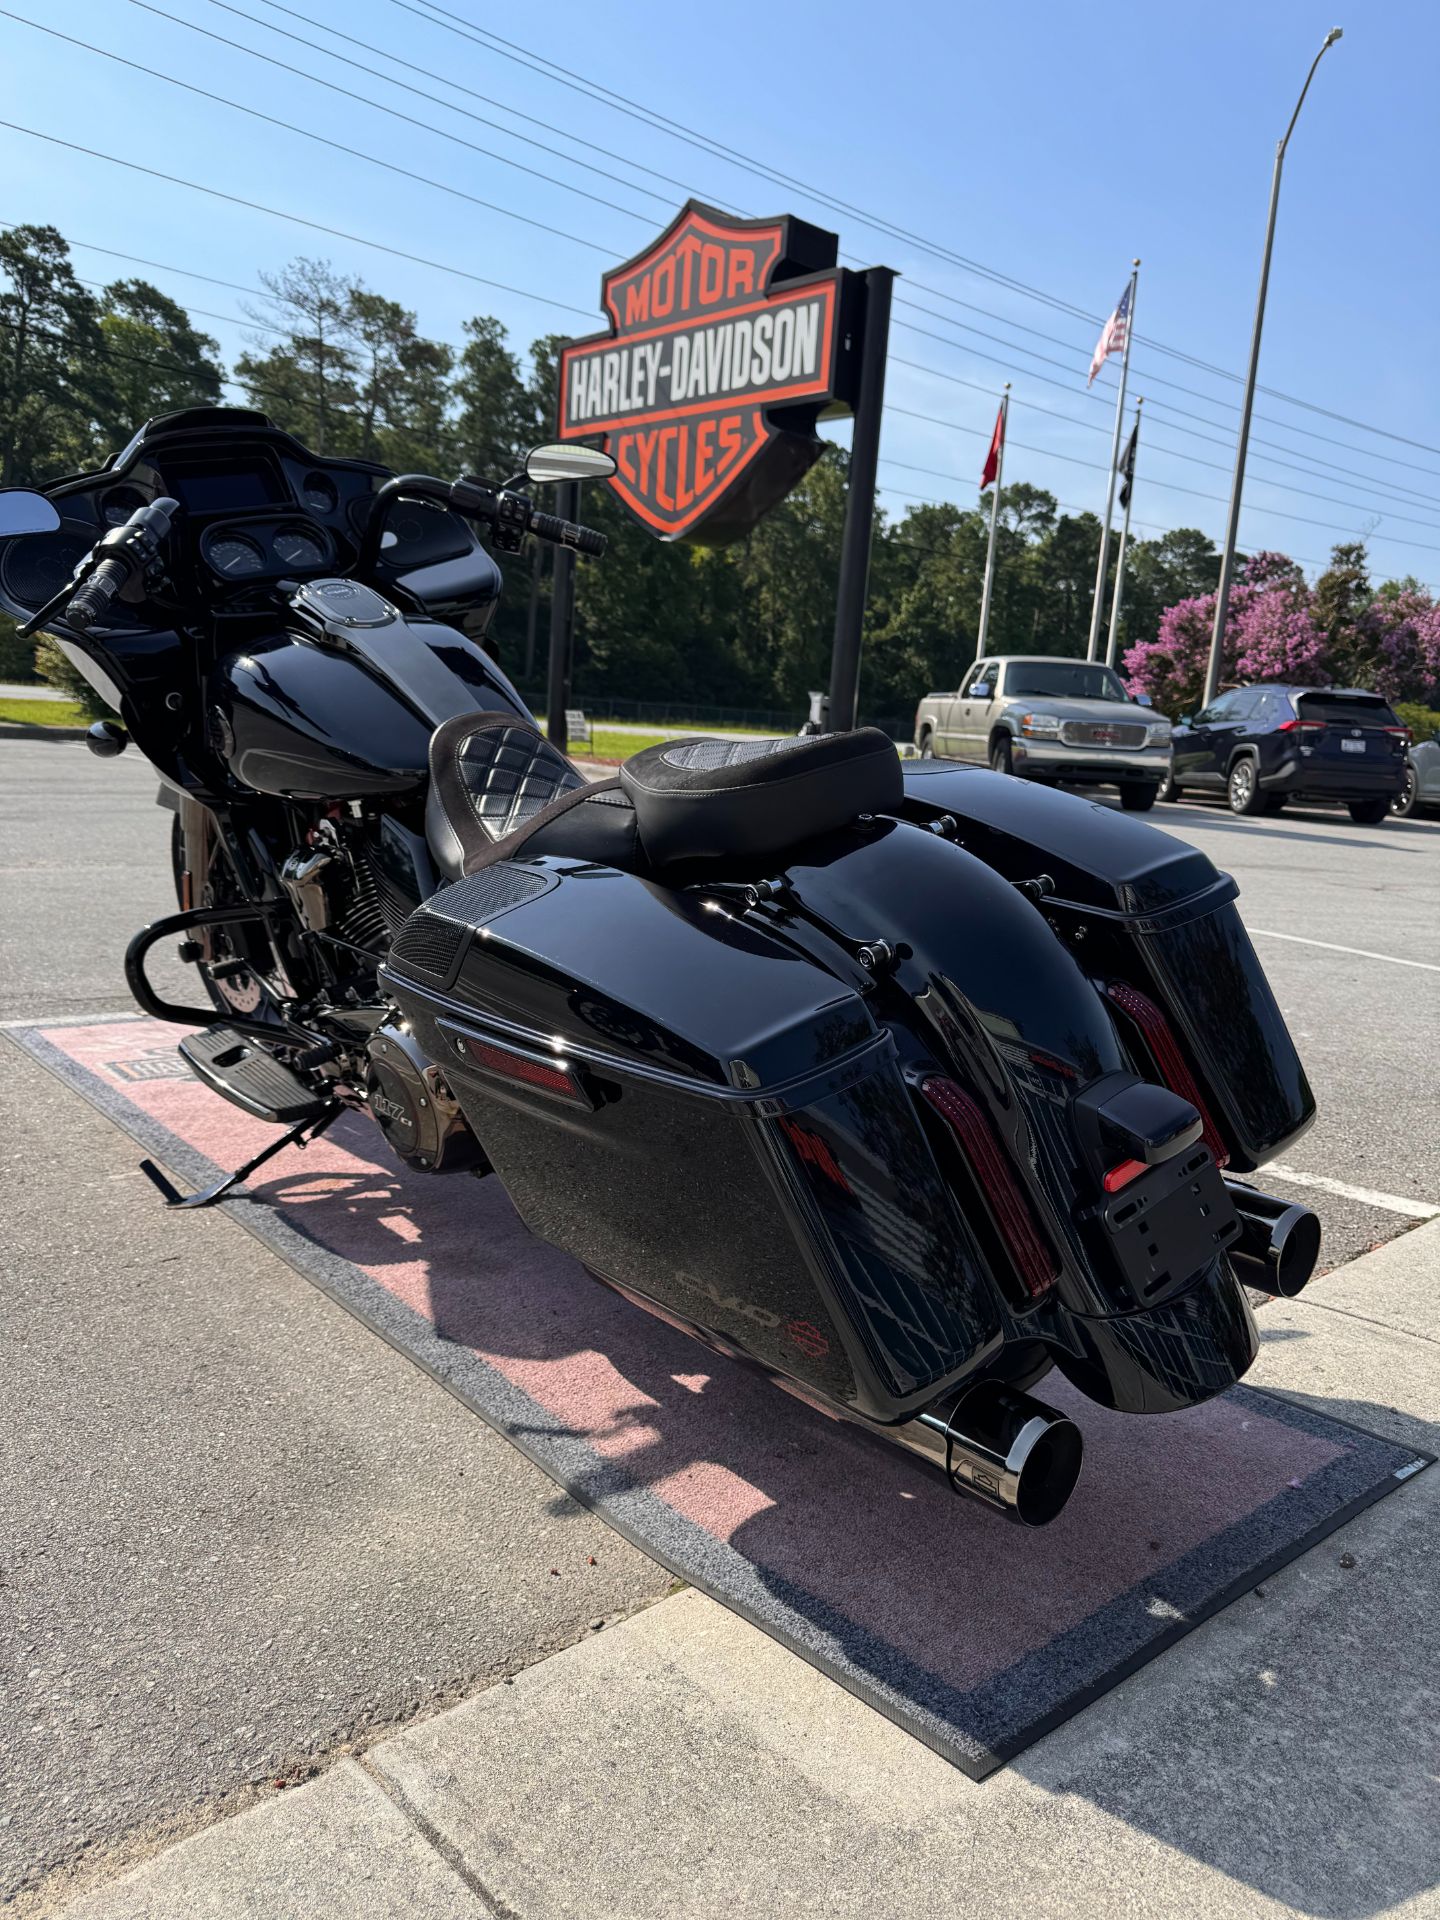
1112, 335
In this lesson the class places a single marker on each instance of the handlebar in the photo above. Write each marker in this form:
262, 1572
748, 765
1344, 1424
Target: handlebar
91, 599
109, 567
511, 515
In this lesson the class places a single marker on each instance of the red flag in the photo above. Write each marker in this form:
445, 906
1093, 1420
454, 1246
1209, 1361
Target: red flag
997, 441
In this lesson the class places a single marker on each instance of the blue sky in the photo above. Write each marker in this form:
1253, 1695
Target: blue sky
1045, 143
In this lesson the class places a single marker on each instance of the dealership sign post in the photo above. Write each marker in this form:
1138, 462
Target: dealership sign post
728, 340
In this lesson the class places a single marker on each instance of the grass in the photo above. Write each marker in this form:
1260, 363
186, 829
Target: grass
43, 713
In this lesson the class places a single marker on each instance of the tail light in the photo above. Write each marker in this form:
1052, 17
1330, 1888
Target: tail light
1034, 1259
1402, 734
1156, 1032
1301, 726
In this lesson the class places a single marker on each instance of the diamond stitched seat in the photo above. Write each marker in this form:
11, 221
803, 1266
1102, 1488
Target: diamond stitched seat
496, 784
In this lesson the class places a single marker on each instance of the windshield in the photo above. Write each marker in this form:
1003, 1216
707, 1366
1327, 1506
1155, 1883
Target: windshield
1063, 680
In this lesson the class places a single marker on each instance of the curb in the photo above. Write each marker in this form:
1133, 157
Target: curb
25, 730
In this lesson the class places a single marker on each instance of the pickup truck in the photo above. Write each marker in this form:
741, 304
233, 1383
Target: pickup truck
1067, 722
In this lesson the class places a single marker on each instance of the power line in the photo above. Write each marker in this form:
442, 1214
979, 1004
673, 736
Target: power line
299, 220
347, 93
460, 193
1175, 453
389, 79
566, 76
1151, 378
530, 119
565, 186
1172, 486
338, 146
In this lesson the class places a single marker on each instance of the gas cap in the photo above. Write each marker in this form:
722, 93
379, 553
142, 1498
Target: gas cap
333, 607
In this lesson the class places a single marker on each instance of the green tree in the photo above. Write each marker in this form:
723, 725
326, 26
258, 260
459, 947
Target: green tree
49, 351
306, 380
1338, 605
497, 416
153, 360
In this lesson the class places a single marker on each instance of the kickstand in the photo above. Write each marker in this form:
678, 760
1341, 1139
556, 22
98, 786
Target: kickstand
299, 1135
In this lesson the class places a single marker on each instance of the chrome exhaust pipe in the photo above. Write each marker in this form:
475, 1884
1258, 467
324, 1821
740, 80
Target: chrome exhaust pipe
1002, 1447
1279, 1243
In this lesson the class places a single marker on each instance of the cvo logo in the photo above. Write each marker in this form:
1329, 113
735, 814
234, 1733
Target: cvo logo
724, 344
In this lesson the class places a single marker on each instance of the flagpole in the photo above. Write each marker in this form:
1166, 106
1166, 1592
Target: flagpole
1093, 647
1114, 641
994, 523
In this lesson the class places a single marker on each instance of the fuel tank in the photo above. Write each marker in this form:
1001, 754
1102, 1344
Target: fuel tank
309, 720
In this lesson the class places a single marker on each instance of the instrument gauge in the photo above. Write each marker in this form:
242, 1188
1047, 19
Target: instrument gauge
234, 557
320, 494
119, 503
296, 548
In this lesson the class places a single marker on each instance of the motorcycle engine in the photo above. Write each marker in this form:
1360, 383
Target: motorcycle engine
414, 1107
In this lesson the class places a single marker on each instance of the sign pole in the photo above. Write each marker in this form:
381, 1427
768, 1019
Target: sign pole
994, 524
860, 503
1113, 643
1093, 650
562, 620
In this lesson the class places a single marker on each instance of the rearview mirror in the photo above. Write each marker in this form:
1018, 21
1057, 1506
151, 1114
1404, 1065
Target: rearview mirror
980, 691
1143, 700
22, 511
567, 463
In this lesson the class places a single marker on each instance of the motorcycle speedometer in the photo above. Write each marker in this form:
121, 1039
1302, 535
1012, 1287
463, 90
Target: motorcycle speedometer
233, 556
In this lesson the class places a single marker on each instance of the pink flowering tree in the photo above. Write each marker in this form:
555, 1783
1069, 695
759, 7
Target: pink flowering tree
1269, 635
1399, 637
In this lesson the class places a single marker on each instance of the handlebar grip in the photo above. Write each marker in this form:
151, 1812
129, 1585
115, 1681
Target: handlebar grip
566, 533
92, 598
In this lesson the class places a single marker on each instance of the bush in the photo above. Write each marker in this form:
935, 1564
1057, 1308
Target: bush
17, 656
55, 668
1423, 722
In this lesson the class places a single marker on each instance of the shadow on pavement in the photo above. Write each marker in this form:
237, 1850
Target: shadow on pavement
1291, 1743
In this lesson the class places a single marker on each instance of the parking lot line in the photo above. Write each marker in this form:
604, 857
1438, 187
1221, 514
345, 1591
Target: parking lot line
1363, 953
1388, 1202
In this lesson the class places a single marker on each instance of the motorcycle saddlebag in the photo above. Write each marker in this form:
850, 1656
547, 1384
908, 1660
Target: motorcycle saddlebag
1155, 926
707, 1119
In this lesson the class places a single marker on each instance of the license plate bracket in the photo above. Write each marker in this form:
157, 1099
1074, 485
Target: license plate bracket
1166, 1225
1352, 746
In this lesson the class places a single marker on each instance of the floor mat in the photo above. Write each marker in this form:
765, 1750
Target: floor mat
974, 1635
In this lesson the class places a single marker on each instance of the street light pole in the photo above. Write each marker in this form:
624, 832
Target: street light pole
1232, 525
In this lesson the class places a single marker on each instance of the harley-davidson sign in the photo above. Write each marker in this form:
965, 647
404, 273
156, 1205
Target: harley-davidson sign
727, 341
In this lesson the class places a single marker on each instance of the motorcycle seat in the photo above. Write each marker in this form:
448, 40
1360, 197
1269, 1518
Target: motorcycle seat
498, 788
738, 799
497, 785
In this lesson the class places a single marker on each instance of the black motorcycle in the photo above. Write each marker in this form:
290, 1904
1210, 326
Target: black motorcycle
904, 1082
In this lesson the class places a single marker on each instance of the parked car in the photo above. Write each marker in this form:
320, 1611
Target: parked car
1421, 791
1060, 721
1261, 746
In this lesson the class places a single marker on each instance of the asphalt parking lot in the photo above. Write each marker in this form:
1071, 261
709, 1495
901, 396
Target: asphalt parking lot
249, 1533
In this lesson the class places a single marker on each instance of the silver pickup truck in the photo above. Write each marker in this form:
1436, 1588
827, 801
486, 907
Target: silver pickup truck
1064, 721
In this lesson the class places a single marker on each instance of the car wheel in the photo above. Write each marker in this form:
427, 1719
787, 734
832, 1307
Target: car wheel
1404, 802
927, 745
1243, 787
1139, 799
1001, 758
1169, 788
1369, 813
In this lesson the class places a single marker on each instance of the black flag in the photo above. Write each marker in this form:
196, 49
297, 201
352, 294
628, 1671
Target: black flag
1126, 469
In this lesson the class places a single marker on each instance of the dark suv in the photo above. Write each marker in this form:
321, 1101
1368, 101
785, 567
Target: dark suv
1262, 746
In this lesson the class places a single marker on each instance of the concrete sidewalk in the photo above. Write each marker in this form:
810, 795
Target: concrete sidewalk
1280, 1759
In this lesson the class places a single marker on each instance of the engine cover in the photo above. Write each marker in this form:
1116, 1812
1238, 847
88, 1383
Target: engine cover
413, 1106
